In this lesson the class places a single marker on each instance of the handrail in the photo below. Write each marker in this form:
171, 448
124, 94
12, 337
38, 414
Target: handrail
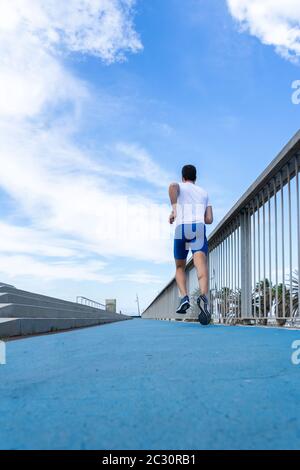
89, 302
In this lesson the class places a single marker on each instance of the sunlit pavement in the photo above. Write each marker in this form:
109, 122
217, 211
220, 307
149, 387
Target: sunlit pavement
144, 384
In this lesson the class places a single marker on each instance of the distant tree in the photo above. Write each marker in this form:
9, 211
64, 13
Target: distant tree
262, 300
265, 297
294, 287
228, 303
193, 300
282, 306
223, 301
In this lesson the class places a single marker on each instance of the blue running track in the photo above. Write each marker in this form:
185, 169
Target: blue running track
144, 384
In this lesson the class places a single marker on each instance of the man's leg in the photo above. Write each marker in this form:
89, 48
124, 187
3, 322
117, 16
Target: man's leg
180, 255
181, 276
184, 303
200, 262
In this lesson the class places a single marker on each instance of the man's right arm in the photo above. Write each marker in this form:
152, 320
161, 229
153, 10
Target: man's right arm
174, 189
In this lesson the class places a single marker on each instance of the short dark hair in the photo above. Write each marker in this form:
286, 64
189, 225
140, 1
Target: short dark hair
189, 173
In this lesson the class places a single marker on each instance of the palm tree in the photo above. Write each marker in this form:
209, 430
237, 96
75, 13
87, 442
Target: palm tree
282, 307
228, 303
262, 300
294, 287
223, 296
265, 296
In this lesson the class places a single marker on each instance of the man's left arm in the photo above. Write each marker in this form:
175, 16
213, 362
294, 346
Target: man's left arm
209, 216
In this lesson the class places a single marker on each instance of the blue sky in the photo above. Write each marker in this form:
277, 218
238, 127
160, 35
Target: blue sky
207, 82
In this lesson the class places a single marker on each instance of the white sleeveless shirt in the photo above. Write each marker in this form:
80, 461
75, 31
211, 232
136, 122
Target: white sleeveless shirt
192, 203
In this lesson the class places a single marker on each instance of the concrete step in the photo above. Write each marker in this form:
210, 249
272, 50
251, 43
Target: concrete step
4, 284
26, 313
34, 311
32, 299
10, 327
46, 298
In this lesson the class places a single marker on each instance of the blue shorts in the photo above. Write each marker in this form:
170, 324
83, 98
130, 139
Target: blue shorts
190, 237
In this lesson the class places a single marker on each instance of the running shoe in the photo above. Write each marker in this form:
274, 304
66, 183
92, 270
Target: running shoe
184, 305
204, 315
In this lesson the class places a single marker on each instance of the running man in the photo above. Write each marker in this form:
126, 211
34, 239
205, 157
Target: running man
191, 209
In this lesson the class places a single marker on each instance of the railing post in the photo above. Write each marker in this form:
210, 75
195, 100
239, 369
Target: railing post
246, 272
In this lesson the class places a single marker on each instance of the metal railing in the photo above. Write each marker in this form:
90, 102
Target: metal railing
254, 253
89, 302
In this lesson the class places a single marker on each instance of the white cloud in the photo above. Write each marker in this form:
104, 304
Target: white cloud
18, 239
274, 22
142, 277
99, 27
63, 194
31, 79
35, 33
14, 266
19, 266
77, 205
38, 254
140, 165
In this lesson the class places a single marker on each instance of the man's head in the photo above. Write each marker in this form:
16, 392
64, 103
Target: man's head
189, 173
